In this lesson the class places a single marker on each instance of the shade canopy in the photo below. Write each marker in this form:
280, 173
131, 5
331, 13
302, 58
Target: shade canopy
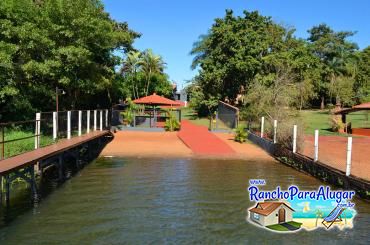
360, 107
155, 99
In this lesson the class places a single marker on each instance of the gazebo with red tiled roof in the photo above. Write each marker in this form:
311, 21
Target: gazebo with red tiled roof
156, 100
360, 107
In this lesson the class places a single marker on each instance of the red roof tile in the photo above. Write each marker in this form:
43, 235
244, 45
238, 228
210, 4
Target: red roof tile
266, 208
155, 100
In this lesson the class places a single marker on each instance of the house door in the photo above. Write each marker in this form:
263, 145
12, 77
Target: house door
281, 215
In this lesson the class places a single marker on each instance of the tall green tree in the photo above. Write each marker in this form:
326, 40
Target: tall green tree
131, 66
240, 51
335, 52
232, 53
143, 73
151, 64
58, 43
362, 82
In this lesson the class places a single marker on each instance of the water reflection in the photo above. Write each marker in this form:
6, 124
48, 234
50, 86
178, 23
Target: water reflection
137, 201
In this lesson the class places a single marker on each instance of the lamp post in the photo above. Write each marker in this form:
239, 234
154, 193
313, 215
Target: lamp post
57, 92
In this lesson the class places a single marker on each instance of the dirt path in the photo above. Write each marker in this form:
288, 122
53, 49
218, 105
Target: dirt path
146, 144
246, 150
168, 145
333, 152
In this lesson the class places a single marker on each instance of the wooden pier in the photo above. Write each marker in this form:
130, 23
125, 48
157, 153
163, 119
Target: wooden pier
29, 164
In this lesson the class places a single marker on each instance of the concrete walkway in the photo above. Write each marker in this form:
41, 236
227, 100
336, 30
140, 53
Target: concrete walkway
289, 226
203, 142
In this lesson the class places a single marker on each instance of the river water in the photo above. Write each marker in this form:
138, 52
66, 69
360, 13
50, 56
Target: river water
163, 201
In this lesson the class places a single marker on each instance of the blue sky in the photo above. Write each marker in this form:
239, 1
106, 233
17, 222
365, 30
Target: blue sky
170, 27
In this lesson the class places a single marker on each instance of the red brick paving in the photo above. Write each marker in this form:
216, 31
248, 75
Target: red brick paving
333, 152
201, 141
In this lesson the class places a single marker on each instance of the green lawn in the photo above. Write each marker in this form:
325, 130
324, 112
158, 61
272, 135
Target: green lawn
312, 119
279, 227
24, 145
295, 224
317, 119
320, 119
190, 114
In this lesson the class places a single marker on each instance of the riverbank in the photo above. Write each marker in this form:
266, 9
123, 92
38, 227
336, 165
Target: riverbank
168, 145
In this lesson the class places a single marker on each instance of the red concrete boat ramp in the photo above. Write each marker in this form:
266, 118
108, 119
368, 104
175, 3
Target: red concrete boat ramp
201, 141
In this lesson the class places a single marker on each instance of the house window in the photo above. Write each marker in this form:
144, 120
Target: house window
256, 216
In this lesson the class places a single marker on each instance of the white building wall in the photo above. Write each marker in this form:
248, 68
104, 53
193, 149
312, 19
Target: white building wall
260, 221
273, 218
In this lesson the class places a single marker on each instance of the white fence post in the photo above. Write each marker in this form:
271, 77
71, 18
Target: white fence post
349, 156
88, 122
106, 118
101, 120
262, 125
37, 130
55, 129
95, 120
68, 124
294, 138
79, 123
316, 145
275, 131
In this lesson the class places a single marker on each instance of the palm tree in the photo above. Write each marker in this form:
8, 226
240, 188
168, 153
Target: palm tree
131, 66
319, 214
150, 64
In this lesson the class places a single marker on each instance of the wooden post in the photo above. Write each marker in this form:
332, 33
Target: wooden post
349, 156
33, 182
134, 119
216, 120
7, 190
60, 167
79, 123
294, 138
55, 129
37, 130
95, 120
68, 124
2, 144
88, 122
1, 190
275, 131
155, 118
101, 120
316, 145
262, 126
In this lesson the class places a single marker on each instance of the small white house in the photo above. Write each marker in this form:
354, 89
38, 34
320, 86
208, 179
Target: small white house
271, 213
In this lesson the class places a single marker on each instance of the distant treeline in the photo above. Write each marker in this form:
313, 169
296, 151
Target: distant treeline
256, 64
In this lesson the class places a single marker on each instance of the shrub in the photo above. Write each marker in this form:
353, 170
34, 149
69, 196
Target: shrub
240, 134
336, 124
129, 113
285, 133
128, 116
171, 124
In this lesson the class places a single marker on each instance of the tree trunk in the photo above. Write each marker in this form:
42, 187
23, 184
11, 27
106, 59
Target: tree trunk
322, 106
147, 84
337, 101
